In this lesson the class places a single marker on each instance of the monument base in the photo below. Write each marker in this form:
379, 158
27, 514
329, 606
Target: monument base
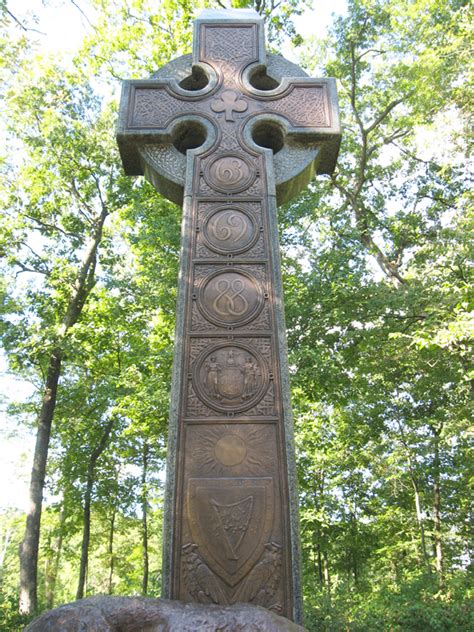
142, 614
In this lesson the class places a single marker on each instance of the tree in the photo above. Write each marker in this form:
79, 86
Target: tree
372, 348
58, 201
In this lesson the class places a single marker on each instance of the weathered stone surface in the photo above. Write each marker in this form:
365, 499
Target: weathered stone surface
230, 135
140, 614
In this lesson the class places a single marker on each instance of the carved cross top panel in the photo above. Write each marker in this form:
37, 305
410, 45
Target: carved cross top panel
233, 97
229, 133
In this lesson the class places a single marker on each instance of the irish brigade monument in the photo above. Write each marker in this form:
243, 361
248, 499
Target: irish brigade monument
230, 133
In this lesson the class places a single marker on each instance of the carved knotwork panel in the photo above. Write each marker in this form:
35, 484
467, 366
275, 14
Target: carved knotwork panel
253, 190
234, 45
230, 140
304, 106
156, 106
261, 344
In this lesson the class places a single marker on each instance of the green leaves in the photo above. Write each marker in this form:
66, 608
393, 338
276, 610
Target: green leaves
379, 324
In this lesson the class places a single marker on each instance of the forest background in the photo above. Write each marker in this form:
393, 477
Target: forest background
377, 269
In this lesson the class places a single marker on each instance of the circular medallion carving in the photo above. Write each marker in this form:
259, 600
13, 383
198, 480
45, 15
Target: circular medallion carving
230, 298
230, 377
230, 450
229, 173
229, 230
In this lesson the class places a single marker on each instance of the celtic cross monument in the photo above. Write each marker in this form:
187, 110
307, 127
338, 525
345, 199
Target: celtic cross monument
230, 133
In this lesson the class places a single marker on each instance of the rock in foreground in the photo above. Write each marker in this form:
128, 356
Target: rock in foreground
140, 614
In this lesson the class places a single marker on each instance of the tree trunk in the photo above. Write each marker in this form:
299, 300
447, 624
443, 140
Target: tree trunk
414, 482
320, 565
353, 553
5, 542
437, 535
111, 551
419, 517
30, 546
327, 576
53, 574
86, 533
145, 518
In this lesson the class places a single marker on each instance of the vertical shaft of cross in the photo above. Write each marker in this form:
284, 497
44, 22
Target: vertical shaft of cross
231, 532
231, 515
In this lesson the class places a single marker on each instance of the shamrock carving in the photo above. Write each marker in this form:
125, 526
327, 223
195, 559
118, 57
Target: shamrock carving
229, 102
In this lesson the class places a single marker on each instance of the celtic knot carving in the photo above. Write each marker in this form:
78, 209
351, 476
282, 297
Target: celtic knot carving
229, 140
168, 161
236, 43
303, 107
199, 323
195, 407
150, 111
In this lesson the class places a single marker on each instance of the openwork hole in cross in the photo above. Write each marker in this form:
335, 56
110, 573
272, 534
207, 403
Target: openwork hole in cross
197, 80
188, 135
261, 81
269, 135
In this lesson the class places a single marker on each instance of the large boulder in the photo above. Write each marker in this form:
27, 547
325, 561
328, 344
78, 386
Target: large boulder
141, 614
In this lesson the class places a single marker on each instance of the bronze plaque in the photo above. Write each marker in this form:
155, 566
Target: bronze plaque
231, 520
231, 527
229, 173
230, 377
230, 297
230, 230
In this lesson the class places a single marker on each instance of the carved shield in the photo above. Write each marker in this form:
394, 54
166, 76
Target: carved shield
231, 519
231, 382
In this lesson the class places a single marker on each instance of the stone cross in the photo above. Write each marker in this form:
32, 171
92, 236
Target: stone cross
230, 133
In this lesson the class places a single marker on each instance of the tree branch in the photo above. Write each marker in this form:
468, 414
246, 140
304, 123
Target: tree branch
384, 114
27, 269
74, 3
353, 88
20, 24
48, 226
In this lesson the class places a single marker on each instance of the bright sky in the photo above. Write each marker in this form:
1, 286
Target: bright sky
61, 25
